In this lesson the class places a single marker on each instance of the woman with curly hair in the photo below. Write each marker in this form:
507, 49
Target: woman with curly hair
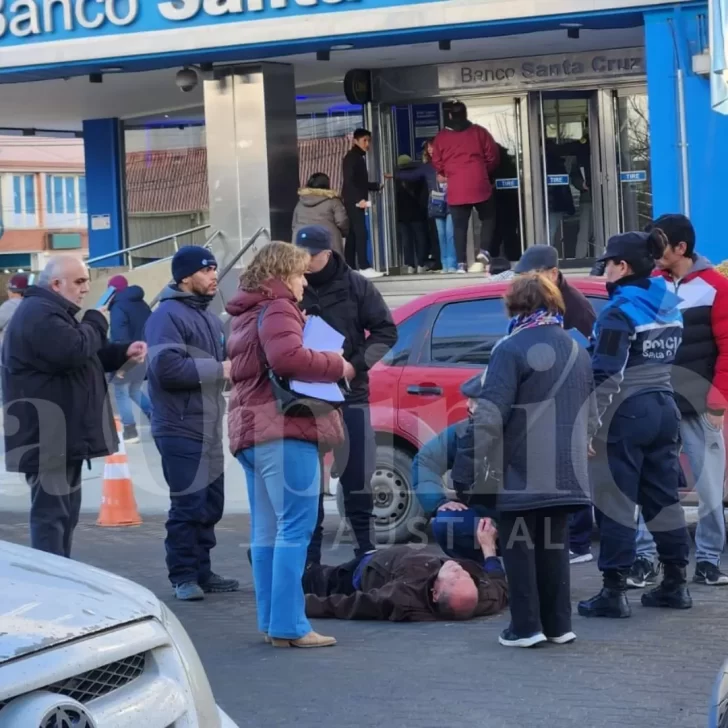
279, 450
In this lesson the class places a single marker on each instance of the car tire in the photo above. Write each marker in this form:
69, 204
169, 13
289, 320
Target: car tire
398, 515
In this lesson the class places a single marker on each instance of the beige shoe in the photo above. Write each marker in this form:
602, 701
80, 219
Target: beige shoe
477, 267
312, 639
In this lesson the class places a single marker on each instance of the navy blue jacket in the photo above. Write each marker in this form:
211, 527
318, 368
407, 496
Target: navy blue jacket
636, 338
128, 314
186, 350
545, 466
54, 385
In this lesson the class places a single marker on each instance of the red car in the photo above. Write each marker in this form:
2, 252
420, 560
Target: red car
444, 338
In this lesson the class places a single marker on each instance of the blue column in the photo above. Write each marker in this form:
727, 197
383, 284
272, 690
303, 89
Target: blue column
707, 131
103, 143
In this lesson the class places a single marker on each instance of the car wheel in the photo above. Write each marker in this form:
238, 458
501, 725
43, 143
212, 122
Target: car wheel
398, 515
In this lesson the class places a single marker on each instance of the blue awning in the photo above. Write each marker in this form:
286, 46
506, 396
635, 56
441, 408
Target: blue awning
719, 55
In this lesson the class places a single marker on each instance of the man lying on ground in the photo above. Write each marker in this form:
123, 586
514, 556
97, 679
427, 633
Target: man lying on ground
403, 584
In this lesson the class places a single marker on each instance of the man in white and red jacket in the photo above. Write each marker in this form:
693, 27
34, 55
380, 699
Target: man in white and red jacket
700, 380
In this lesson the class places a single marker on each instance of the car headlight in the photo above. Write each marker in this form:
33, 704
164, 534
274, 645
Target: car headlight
205, 706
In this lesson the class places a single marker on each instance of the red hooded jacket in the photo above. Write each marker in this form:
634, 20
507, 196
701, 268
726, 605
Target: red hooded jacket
467, 158
253, 415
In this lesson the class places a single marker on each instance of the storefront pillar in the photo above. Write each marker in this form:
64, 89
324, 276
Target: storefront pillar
252, 151
103, 143
673, 35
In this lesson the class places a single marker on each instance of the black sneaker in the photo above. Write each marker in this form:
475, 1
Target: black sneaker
710, 574
610, 603
642, 574
508, 638
217, 584
130, 434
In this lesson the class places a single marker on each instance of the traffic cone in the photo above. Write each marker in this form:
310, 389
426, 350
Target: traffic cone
118, 505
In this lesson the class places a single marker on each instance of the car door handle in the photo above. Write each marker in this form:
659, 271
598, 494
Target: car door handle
425, 390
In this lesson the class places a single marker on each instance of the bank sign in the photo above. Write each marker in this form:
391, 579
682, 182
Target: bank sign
540, 70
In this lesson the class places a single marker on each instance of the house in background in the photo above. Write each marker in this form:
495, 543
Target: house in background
42, 200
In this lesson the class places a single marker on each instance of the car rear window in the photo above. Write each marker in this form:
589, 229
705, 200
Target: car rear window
465, 332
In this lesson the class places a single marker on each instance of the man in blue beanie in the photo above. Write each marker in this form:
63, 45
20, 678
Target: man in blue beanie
187, 373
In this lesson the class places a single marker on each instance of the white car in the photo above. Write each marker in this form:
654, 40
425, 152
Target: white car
82, 648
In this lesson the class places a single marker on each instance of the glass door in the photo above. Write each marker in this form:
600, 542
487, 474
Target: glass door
633, 158
570, 172
502, 118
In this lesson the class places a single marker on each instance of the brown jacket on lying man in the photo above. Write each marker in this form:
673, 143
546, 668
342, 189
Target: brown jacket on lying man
403, 584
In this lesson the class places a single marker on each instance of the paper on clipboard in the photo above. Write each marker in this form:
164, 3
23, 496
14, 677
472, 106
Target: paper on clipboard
319, 336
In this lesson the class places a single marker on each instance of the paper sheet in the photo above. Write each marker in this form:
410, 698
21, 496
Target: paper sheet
319, 336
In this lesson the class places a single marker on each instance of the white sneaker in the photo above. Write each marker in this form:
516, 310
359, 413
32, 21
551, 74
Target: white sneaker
562, 639
408, 270
371, 273
580, 558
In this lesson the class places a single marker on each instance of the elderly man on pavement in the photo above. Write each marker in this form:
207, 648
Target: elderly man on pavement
56, 413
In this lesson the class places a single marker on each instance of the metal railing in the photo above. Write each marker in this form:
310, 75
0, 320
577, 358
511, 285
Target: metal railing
229, 266
174, 237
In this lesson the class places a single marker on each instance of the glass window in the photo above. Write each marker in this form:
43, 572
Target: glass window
465, 333
407, 332
49, 193
82, 205
70, 194
58, 195
30, 194
17, 195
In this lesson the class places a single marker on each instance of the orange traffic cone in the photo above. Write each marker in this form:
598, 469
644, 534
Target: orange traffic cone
118, 505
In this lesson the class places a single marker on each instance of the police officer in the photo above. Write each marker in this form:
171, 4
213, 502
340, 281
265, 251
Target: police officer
636, 444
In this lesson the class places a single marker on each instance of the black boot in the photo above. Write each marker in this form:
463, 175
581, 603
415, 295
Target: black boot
611, 600
672, 593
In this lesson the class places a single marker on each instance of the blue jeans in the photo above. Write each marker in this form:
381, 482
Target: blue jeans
446, 236
455, 532
704, 447
283, 479
126, 393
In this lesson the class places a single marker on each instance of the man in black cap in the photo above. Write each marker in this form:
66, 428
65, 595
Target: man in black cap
187, 372
579, 315
544, 259
454, 521
352, 305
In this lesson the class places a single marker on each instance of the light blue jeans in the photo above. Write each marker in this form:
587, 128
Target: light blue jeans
283, 479
446, 237
126, 393
704, 447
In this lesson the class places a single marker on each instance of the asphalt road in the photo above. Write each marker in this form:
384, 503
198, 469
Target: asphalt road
654, 670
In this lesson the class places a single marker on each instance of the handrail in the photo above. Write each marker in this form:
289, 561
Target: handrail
206, 244
222, 273
141, 246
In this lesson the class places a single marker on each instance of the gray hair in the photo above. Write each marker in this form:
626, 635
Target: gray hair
55, 268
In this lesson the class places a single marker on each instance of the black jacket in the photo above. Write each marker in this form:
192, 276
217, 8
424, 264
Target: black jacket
411, 196
353, 306
54, 384
545, 466
356, 186
579, 313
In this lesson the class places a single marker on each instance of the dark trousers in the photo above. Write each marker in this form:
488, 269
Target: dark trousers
534, 546
323, 581
414, 241
461, 221
194, 472
639, 465
55, 504
355, 248
355, 460
581, 525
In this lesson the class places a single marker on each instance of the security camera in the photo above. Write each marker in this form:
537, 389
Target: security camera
186, 79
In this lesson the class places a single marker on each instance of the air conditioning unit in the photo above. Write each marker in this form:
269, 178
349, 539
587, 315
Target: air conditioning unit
701, 64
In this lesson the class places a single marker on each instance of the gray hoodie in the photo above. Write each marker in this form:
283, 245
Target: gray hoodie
7, 310
322, 207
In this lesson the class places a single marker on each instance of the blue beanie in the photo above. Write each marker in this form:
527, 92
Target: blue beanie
188, 260
314, 238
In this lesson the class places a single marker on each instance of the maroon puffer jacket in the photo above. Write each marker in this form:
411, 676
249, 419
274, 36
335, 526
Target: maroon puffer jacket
467, 158
253, 416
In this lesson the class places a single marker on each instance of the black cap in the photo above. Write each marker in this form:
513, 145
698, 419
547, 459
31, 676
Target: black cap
538, 257
630, 247
473, 387
314, 238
